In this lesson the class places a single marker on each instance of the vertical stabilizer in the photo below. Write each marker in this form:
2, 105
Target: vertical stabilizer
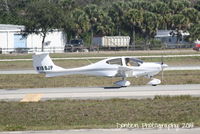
42, 63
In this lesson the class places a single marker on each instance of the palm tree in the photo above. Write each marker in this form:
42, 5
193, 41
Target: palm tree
100, 22
133, 19
117, 12
93, 13
194, 32
192, 14
179, 22
149, 26
178, 6
80, 22
105, 26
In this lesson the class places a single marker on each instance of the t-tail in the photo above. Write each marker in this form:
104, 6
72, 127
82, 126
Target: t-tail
42, 63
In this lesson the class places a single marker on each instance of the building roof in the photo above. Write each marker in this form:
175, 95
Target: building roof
168, 33
9, 27
163, 33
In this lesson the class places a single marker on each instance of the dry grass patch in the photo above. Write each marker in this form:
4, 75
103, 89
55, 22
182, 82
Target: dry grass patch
69, 114
173, 61
40, 81
105, 53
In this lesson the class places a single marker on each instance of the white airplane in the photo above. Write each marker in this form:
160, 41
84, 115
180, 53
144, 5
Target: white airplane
123, 67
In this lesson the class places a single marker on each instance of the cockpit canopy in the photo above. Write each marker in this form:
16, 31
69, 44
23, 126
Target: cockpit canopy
117, 61
127, 62
133, 62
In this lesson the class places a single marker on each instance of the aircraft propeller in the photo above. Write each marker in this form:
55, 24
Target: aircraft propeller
162, 67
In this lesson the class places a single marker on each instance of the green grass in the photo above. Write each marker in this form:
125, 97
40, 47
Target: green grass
70, 114
171, 61
40, 81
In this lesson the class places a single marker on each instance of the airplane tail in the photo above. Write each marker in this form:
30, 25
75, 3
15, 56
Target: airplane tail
42, 63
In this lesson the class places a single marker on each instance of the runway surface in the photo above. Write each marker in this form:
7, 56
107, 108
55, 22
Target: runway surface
18, 72
136, 92
111, 131
172, 68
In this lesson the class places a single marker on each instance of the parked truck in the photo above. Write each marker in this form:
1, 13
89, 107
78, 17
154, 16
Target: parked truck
197, 45
102, 43
74, 45
112, 42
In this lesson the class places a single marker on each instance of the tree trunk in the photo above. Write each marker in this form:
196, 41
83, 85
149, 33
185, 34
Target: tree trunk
145, 43
91, 36
43, 39
134, 38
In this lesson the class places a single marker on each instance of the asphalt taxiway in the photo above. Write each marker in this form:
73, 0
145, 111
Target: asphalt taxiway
111, 131
136, 92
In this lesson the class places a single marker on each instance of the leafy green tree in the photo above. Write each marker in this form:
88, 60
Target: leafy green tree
178, 5
179, 23
105, 26
143, 4
116, 12
163, 12
133, 20
42, 17
197, 5
12, 11
80, 22
160, 8
85, 18
67, 5
192, 14
96, 16
194, 32
149, 26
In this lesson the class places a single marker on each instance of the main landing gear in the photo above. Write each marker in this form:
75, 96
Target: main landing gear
126, 83
123, 83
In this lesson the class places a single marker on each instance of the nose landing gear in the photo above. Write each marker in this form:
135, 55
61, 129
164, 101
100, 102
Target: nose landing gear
154, 82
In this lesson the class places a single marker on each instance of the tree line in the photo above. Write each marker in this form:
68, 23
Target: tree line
139, 19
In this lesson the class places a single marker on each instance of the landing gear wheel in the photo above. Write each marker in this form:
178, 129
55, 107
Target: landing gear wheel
154, 82
123, 83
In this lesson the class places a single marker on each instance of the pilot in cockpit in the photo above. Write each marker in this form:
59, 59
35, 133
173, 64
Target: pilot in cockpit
128, 62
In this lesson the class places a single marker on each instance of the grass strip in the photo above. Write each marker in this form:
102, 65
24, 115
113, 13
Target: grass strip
70, 114
14, 81
171, 61
105, 53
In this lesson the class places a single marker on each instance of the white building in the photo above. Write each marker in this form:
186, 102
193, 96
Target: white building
11, 39
169, 38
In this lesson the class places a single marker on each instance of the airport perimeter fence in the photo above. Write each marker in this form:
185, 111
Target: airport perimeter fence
31, 50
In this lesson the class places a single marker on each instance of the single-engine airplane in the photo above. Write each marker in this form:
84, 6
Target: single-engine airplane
111, 67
